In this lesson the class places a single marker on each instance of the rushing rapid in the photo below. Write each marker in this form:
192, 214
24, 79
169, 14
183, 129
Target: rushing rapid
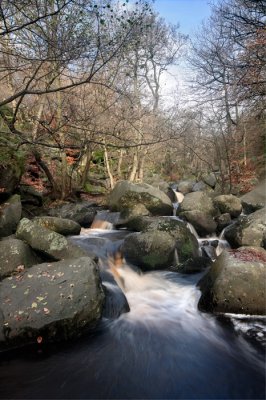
164, 348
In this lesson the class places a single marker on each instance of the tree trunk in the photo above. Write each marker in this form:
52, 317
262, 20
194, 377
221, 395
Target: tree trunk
119, 165
134, 169
37, 122
85, 172
108, 168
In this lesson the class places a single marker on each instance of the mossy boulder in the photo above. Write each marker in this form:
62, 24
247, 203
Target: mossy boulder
60, 225
235, 283
10, 214
203, 223
228, 203
150, 250
185, 186
50, 302
126, 195
248, 230
11, 169
186, 245
14, 255
47, 242
83, 213
255, 199
199, 201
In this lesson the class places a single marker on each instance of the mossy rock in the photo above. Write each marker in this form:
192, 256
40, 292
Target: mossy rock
11, 169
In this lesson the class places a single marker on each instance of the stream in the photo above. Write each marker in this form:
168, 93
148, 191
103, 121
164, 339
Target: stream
164, 348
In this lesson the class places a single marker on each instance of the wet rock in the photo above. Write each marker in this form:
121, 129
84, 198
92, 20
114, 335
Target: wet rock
83, 213
235, 283
10, 214
248, 230
203, 223
60, 225
150, 250
126, 195
228, 204
14, 255
185, 244
115, 302
194, 266
50, 302
50, 243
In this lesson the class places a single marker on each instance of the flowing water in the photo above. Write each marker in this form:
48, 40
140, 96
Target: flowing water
164, 348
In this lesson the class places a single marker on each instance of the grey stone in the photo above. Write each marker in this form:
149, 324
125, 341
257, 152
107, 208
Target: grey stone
13, 254
126, 195
47, 242
150, 250
10, 214
255, 199
202, 222
199, 201
60, 225
248, 230
228, 204
235, 283
83, 213
51, 301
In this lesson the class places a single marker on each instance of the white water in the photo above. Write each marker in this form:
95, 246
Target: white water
164, 348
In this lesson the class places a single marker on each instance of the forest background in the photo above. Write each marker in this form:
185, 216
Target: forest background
82, 106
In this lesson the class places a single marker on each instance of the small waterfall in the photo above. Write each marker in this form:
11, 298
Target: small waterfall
192, 230
105, 220
176, 198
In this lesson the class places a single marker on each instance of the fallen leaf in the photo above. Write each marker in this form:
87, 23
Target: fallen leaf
20, 268
46, 311
34, 305
39, 298
30, 276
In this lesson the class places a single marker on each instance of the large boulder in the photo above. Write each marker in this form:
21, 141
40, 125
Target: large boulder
203, 223
11, 169
150, 250
10, 214
228, 203
185, 186
147, 244
50, 302
83, 213
15, 255
210, 179
255, 199
47, 242
235, 283
60, 225
199, 209
248, 230
199, 201
126, 195
199, 187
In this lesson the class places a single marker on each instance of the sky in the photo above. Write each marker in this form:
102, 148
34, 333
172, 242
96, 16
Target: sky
189, 14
